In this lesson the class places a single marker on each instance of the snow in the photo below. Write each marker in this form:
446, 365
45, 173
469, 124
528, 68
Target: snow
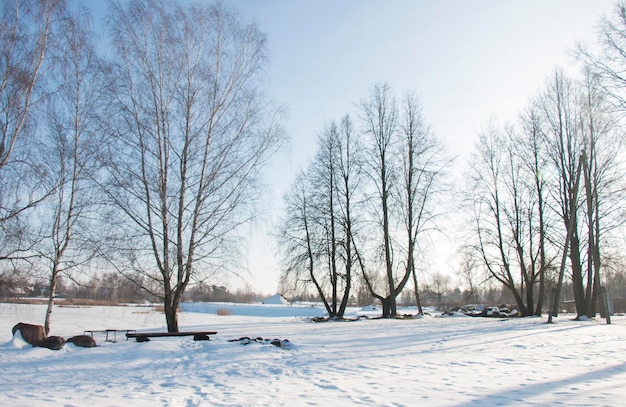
434, 361
276, 299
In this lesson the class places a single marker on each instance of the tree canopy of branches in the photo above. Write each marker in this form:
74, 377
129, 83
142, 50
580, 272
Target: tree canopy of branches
563, 164
72, 143
506, 194
317, 235
192, 131
405, 164
172, 160
359, 207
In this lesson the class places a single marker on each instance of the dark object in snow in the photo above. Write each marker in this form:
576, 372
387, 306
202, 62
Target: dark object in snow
491, 312
84, 341
284, 344
32, 334
473, 310
334, 319
52, 342
145, 336
200, 337
245, 340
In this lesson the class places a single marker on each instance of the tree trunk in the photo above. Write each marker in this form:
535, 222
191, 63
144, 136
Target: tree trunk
51, 293
579, 290
542, 253
171, 316
387, 307
420, 311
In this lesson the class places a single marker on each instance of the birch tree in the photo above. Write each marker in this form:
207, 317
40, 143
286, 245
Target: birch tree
73, 140
194, 130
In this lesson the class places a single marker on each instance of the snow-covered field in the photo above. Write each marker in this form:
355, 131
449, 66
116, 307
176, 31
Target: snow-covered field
418, 362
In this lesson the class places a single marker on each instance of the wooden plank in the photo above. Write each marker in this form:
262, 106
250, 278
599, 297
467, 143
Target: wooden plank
162, 334
145, 336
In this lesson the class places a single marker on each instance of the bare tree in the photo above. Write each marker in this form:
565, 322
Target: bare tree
348, 190
423, 165
324, 183
582, 145
307, 230
74, 139
339, 170
534, 159
439, 285
318, 227
559, 107
469, 274
406, 166
380, 118
339, 218
602, 172
504, 196
192, 135
298, 241
604, 85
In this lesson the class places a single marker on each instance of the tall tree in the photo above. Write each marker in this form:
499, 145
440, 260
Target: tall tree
317, 232
559, 107
350, 176
406, 165
380, 123
602, 172
324, 182
580, 138
72, 145
534, 159
506, 192
423, 165
603, 88
299, 241
193, 132
337, 184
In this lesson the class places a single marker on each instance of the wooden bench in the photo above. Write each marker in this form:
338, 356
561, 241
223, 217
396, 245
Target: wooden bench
145, 336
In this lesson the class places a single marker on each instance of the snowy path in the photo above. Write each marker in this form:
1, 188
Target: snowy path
431, 361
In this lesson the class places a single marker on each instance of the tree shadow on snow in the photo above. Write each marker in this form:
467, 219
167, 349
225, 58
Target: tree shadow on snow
566, 389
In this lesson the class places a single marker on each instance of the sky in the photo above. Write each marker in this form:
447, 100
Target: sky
469, 61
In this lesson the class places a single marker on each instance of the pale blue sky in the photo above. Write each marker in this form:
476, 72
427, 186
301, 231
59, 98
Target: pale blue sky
468, 61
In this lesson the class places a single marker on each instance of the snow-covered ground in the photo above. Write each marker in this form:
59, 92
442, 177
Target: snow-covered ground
427, 362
